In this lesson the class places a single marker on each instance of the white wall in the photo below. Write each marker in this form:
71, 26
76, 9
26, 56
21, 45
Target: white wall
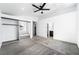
25, 30
8, 33
0, 31
78, 24
42, 28
64, 27
28, 30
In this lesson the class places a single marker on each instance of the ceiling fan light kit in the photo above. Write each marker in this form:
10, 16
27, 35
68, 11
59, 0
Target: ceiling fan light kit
41, 12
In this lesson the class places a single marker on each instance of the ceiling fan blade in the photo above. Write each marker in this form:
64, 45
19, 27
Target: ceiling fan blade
35, 6
45, 9
43, 5
36, 10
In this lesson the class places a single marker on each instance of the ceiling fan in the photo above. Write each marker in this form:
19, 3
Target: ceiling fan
40, 8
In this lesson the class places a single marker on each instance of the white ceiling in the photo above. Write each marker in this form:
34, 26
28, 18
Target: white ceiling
26, 9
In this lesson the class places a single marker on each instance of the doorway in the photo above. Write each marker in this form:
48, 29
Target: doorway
23, 30
34, 29
47, 30
50, 30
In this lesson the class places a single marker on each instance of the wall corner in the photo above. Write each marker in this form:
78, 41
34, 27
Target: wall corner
78, 44
0, 45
